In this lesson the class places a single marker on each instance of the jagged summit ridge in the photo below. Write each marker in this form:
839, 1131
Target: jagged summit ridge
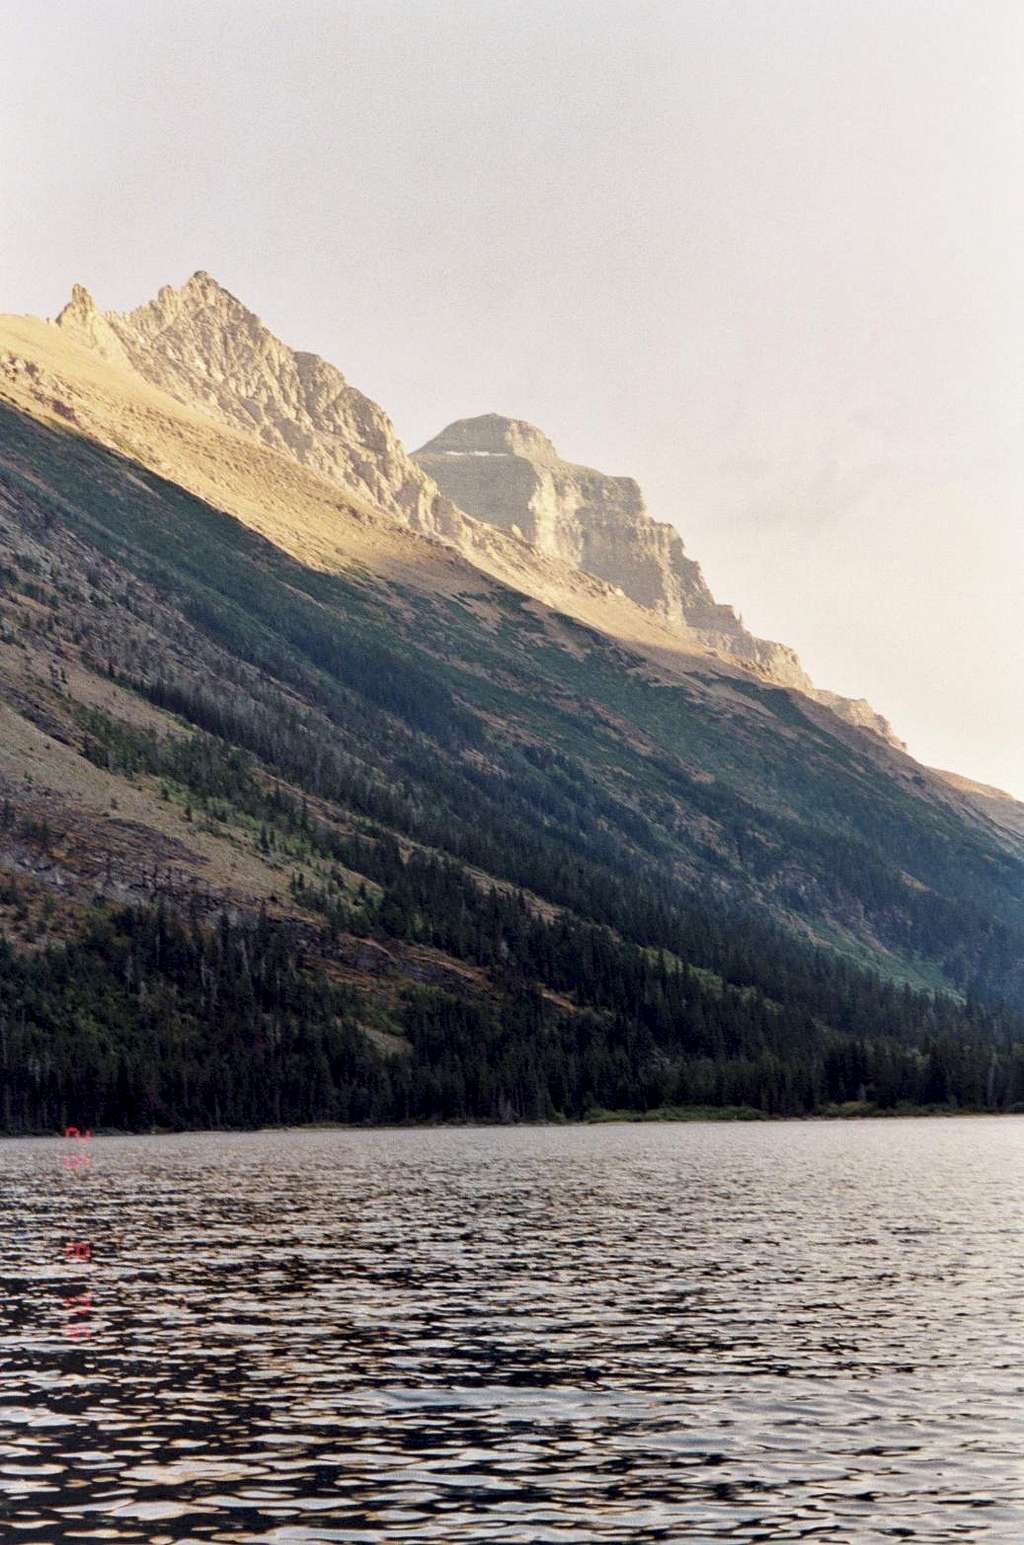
83, 319
204, 347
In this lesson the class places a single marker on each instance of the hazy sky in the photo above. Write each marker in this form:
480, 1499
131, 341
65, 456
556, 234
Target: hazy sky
764, 255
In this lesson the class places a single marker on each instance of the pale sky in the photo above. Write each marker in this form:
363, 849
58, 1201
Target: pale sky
763, 255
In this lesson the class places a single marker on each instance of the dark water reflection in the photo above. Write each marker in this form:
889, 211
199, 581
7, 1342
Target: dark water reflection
791, 1332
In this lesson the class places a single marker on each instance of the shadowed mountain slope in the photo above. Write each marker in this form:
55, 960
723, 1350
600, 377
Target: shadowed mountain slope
742, 789
305, 816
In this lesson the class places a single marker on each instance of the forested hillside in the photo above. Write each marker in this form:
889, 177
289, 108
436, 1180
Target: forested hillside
279, 844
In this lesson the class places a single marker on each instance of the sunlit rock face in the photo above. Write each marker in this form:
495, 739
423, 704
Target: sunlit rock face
202, 346
509, 473
506, 471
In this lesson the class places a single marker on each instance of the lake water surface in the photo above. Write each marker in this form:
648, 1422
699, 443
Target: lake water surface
699, 1332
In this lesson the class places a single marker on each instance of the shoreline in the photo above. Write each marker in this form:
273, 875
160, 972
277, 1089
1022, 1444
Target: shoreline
660, 1116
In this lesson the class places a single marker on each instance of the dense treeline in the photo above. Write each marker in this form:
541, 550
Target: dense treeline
152, 1019
542, 823
434, 900
766, 984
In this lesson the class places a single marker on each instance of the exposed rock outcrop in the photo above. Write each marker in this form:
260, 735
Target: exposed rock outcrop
203, 347
83, 320
508, 472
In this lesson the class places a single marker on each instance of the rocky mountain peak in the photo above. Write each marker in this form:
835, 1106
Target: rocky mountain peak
83, 321
200, 306
81, 303
204, 347
507, 472
206, 286
491, 434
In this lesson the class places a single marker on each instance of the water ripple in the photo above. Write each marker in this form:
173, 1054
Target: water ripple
770, 1333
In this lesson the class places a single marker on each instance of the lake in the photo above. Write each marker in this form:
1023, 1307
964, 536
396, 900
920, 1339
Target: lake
792, 1331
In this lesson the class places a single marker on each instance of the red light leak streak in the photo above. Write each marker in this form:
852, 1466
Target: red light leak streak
78, 1306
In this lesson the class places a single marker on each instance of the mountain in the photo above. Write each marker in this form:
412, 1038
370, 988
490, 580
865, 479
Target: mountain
205, 348
78, 371
306, 814
999, 807
202, 346
508, 472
